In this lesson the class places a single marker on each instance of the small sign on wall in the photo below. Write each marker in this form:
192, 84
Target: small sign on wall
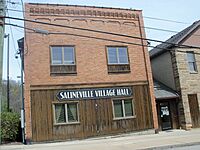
94, 93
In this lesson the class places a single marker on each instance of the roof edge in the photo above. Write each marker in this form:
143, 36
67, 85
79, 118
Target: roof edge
85, 6
174, 40
158, 84
195, 25
159, 53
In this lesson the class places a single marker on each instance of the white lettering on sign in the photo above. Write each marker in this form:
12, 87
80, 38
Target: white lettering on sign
105, 93
94, 93
122, 92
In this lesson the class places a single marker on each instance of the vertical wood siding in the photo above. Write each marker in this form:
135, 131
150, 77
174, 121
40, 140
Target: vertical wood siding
95, 116
194, 110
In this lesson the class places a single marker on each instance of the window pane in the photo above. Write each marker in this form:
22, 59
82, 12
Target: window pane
60, 113
69, 55
72, 112
118, 108
112, 55
123, 57
128, 108
56, 55
191, 61
192, 66
190, 57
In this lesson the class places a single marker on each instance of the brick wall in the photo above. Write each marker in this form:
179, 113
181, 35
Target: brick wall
91, 58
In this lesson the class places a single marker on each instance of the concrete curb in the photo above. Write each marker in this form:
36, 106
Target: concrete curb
162, 141
171, 146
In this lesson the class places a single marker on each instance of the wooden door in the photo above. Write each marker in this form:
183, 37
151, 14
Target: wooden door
96, 117
103, 113
194, 110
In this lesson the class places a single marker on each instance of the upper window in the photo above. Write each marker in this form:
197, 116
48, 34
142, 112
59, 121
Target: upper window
62, 55
66, 113
123, 109
191, 62
117, 55
118, 61
62, 60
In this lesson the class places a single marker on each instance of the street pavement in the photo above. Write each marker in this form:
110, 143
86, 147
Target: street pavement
192, 147
164, 140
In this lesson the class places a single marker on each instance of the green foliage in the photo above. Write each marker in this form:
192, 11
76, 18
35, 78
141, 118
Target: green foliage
15, 96
9, 126
3, 106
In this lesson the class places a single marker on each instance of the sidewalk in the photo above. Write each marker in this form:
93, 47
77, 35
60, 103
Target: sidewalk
165, 139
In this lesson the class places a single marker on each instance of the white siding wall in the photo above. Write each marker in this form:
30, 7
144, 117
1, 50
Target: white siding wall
162, 70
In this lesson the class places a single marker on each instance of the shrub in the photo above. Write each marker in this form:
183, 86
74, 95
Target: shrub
9, 126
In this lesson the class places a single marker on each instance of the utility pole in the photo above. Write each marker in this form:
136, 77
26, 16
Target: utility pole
21, 52
8, 78
2, 14
22, 92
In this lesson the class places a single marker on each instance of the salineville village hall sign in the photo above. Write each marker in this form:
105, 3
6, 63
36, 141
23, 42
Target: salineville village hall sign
94, 93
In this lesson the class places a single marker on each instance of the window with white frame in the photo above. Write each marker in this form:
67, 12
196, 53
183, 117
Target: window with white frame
117, 55
66, 113
191, 62
62, 55
123, 109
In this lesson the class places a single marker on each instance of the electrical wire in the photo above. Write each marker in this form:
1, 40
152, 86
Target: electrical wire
100, 31
98, 38
22, 3
13, 39
16, 10
150, 28
166, 20
147, 17
13, 3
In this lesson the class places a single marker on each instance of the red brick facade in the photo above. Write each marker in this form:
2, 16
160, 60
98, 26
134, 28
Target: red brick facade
91, 58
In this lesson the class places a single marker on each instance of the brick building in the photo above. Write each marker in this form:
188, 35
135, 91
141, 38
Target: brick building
177, 65
80, 83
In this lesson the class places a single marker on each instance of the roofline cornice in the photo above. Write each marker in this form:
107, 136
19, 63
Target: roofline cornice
84, 6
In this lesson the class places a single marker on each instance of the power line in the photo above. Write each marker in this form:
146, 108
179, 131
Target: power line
150, 28
98, 38
21, 31
103, 32
11, 32
147, 17
13, 3
22, 3
13, 39
15, 10
166, 20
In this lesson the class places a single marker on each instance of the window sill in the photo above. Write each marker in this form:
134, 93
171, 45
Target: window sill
55, 74
118, 64
62, 70
69, 123
124, 118
193, 72
121, 68
118, 72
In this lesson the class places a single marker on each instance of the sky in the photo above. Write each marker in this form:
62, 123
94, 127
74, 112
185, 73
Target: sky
183, 11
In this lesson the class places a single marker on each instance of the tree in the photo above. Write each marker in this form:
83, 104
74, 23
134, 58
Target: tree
10, 120
15, 100
9, 126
